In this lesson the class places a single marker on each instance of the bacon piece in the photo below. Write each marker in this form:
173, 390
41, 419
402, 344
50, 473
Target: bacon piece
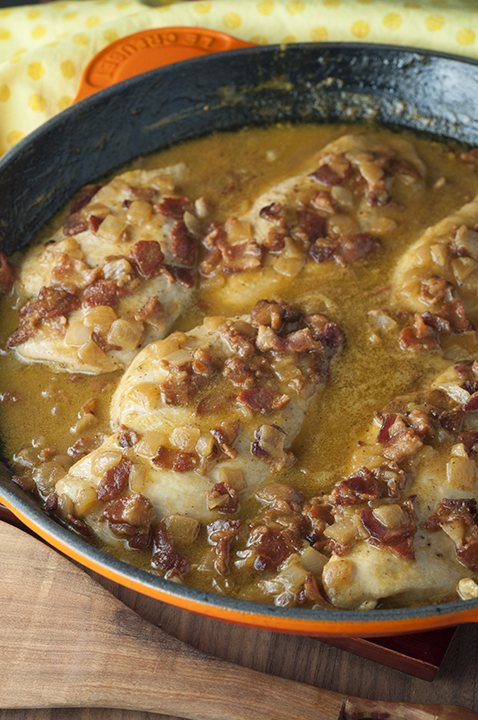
171, 459
322, 250
203, 363
402, 445
83, 197
152, 311
398, 539
131, 517
74, 224
274, 213
220, 534
7, 274
101, 292
270, 313
268, 446
284, 499
384, 432
354, 247
115, 481
223, 497
434, 290
239, 372
419, 336
270, 547
325, 175
299, 341
127, 437
226, 434
173, 207
183, 275
319, 516
52, 302
358, 489
78, 525
312, 226
85, 445
147, 256
241, 256
263, 400
183, 244
165, 556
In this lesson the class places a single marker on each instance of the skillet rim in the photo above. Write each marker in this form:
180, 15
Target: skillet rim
324, 622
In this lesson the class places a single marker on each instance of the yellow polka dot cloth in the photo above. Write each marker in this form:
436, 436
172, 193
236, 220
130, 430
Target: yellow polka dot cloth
43, 48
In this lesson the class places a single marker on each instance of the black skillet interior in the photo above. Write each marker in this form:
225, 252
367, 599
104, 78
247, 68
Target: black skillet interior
427, 92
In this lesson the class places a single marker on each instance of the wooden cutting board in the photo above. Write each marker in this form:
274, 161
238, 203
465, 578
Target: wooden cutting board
65, 641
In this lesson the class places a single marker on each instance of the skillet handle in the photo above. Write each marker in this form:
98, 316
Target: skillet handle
358, 709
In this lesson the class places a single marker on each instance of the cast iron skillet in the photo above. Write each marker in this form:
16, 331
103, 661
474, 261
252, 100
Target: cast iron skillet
428, 92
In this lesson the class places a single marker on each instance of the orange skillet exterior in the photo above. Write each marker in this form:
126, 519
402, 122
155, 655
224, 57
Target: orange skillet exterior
291, 626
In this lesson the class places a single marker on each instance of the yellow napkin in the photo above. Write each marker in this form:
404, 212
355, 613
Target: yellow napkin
43, 48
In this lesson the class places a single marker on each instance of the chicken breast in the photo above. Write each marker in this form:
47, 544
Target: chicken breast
405, 517
442, 265
115, 277
337, 211
203, 418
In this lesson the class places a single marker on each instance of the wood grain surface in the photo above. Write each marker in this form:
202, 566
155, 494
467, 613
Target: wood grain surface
297, 658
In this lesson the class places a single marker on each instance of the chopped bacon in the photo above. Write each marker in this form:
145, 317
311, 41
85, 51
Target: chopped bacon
173, 207
358, 489
131, 517
312, 225
270, 547
325, 175
398, 539
165, 556
152, 309
241, 256
268, 446
78, 525
384, 432
328, 333
322, 250
239, 372
184, 275
95, 222
419, 336
85, 445
270, 313
226, 434
402, 445
319, 516
171, 459
470, 441
354, 247
75, 224
203, 363
183, 244
263, 400
220, 534
223, 497
83, 197
127, 437
283, 498
274, 213
52, 302
115, 481
323, 201
7, 274
147, 256
101, 292
434, 290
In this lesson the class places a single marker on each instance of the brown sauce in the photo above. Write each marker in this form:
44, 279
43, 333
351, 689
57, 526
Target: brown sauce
40, 406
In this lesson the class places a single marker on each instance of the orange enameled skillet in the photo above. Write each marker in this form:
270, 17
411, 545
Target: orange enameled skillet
427, 92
